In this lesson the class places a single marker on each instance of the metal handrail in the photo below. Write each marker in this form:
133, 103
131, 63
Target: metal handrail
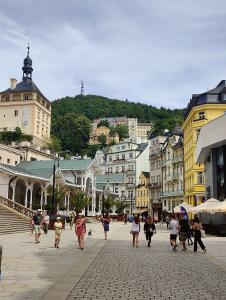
17, 207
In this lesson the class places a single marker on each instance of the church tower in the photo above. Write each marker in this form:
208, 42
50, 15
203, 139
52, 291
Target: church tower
23, 105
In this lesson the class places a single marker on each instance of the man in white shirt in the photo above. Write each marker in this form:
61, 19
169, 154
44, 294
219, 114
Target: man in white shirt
46, 223
173, 232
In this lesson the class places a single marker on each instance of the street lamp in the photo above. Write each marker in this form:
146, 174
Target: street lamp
131, 203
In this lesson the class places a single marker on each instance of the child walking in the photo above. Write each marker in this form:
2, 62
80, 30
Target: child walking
58, 229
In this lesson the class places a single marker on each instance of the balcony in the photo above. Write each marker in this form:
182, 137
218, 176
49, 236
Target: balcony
172, 193
163, 163
130, 184
155, 185
130, 171
177, 159
175, 176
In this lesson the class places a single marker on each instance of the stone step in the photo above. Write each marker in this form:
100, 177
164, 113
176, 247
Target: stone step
12, 222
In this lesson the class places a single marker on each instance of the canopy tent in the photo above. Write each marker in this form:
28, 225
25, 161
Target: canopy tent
207, 206
220, 207
184, 205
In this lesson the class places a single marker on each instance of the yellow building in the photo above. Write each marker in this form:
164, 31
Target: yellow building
202, 109
143, 192
102, 130
24, 106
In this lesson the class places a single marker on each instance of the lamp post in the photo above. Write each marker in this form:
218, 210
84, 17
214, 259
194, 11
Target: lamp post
103, 202
131, 203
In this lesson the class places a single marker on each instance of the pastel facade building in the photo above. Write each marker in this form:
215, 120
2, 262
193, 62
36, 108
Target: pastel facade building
172, 171
23, 105
202, 109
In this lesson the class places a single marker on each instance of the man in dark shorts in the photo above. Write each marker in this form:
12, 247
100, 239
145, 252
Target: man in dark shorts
37, 218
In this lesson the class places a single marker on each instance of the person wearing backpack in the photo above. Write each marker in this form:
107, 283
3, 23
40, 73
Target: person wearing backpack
149, 229
135, 230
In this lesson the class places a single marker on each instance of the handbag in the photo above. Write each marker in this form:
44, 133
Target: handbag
203, 234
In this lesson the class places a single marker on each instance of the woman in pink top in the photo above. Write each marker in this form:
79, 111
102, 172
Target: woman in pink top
80, 230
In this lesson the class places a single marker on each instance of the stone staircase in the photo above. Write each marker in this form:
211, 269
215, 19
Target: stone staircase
12, 220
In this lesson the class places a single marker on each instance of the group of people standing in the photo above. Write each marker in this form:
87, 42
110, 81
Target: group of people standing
184, 230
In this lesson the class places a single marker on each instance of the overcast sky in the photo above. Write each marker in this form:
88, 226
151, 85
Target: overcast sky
152, 51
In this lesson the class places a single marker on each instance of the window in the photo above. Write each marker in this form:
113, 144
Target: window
131, 155
201, 115
110, 158
117, 157
26, 97
200, 178
0, 158
15, 163
123, 156
8, 160
37, 128
117, 169
198, 132
123, 147
15, 113
123, 169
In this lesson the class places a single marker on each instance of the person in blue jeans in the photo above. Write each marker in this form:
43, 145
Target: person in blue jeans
105, 222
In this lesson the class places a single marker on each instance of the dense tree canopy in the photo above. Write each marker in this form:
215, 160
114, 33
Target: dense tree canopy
72, 117
101, 107
73, 130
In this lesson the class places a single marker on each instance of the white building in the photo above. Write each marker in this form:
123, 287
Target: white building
172, 172
156, 143
128, 159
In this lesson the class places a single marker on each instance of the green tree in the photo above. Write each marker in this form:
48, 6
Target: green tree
120, 206
122, 131
59, 196
108, 204
53, 144
79, 201
102, 140
104, 123
73, 130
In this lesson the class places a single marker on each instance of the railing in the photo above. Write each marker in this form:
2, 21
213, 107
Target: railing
177, 159
17, 207
154, 185
175, 176
172, 193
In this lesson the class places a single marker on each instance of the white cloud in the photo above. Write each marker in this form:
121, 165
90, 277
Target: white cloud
157, 52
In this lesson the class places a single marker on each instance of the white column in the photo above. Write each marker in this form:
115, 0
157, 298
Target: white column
31, 191
65, 200
68, 201
26, 196
41, 201
93, 202
14, 188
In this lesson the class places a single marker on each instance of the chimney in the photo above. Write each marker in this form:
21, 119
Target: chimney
13, 83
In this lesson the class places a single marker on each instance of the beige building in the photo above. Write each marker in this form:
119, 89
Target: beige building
24, 151
102, 130
24, 106
143, 192
136, 130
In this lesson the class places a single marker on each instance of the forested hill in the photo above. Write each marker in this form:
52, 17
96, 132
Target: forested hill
97, 106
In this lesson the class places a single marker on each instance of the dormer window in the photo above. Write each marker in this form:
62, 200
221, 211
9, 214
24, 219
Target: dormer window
201, 115
26, 97
224, 97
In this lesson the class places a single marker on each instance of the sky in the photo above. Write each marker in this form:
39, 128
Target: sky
158, 52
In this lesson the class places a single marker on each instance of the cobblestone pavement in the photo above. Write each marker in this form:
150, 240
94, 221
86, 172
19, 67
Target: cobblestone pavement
123, 272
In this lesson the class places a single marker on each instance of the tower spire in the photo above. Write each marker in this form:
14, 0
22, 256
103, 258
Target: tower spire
82, 88
27, 67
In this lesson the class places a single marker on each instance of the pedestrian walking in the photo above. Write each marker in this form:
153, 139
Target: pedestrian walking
135, 230
125, 219
37, 218
184, 230
71, 219
32, 226
105, 222
58, 229
197, 227
80, 230
149, 229
46, 223
173, 232
167, 221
